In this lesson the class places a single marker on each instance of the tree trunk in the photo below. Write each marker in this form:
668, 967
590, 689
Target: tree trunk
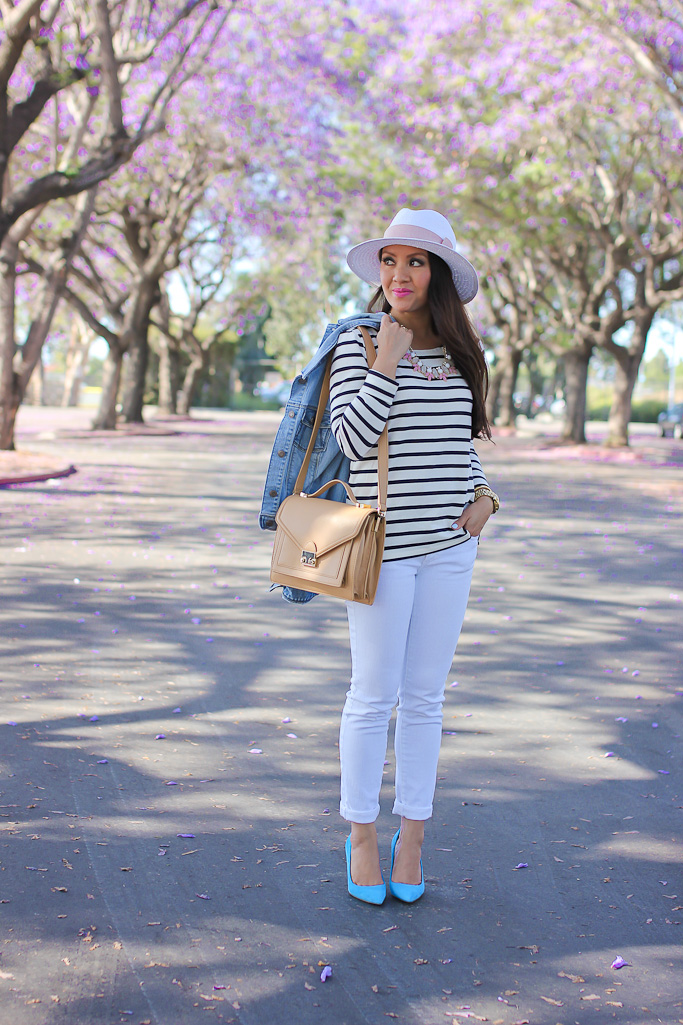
493, 394
620, 410
105, 420
169, 376
134, 378
508, 383
16, 369
9, 398
628, 364
137, 348
576, 378
76, 361
190, 382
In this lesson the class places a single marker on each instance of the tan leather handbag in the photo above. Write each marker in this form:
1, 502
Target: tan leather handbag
332, 547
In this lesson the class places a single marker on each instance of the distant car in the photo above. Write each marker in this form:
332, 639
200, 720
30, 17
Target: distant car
671, 421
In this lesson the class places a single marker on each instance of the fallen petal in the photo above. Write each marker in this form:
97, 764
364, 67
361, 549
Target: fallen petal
619, 962
325, 973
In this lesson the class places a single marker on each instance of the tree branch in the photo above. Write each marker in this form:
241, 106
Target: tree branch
110, 70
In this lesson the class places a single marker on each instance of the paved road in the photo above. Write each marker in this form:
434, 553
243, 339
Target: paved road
171, 850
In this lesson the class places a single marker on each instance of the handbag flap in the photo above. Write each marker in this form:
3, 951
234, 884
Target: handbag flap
321, 522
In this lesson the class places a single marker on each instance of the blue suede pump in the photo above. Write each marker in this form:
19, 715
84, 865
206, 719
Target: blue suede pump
407, 892
370, 894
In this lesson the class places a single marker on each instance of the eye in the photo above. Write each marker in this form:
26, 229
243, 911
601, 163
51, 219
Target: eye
416, 260
387, 259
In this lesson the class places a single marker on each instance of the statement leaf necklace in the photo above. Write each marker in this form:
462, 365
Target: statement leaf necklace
440, 371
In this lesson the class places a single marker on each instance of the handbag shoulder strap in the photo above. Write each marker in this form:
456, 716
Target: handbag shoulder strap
383, 440
382, 444
322, 403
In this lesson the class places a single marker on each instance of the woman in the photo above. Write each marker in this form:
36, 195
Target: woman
429, 384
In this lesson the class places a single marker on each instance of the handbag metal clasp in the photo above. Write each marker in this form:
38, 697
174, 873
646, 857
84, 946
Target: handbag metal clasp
308, 558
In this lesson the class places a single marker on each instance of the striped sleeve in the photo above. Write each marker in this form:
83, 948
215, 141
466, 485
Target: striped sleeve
478, 478
360, 399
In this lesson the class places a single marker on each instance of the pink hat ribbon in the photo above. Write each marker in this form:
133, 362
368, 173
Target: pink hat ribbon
417, 232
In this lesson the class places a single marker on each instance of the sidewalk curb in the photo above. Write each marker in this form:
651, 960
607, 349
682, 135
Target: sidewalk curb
36, 478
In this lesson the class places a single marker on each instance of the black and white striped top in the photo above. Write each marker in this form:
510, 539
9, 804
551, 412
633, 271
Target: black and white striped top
433, 467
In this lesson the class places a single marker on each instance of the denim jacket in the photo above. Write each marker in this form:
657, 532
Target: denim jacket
327, 461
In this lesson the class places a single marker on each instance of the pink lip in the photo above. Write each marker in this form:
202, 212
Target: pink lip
402, 291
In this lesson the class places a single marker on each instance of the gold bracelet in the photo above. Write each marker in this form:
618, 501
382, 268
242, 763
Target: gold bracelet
481, 492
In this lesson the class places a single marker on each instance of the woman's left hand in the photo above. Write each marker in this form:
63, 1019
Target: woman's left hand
474, 516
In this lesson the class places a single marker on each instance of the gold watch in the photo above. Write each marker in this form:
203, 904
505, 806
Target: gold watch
481, 492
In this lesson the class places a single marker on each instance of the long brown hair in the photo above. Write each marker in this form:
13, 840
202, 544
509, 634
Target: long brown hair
452, 325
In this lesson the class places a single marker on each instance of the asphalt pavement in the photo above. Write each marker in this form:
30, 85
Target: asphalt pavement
171, 849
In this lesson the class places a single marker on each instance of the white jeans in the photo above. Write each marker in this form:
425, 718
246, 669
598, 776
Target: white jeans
402, 648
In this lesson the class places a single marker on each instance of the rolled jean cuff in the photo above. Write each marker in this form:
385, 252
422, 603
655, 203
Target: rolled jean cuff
407, 812
362, 817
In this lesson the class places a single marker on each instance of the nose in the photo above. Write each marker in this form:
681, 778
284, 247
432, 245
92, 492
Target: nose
401, 273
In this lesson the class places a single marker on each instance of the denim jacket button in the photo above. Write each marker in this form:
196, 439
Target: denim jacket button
281, 452
273, 493
292, 414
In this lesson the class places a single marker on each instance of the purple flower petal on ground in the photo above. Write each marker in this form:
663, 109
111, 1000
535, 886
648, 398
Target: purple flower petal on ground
608, 754
220, 987
655, 725
619, 962
664, 772
102, 761
94, 718
287, 719
171, 783
325, 973
176, 710
292, 736
621, 718
160, 736
11, 722
522, 864
203, 896
186, 836
255, 751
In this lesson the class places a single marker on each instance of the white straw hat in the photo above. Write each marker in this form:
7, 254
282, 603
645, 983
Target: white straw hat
426, 229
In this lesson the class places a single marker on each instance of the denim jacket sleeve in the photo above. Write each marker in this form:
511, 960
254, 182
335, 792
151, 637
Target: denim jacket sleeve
328, 462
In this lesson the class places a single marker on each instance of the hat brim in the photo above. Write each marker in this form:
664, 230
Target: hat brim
363, 260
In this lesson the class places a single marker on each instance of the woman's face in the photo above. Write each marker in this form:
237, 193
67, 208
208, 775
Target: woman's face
404, 276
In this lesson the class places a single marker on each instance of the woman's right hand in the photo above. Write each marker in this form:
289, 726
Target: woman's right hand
393, 341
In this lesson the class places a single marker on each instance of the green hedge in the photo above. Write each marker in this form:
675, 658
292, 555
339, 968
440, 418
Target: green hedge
645, 411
